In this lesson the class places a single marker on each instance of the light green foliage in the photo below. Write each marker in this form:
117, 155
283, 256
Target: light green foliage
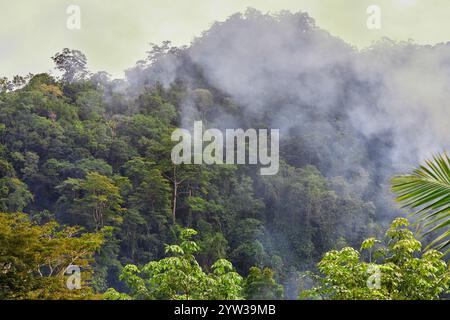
179, 276
113, 294
401, 270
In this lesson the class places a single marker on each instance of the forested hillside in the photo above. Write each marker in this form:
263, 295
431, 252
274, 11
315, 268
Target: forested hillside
84, 150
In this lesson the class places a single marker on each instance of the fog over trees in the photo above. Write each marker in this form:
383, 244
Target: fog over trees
80, 149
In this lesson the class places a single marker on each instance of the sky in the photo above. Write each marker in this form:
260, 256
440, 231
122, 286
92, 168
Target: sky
114, 35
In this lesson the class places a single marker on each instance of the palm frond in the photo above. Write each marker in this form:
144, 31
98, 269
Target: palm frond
427, 192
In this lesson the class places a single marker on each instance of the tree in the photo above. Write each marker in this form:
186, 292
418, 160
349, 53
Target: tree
146, 224
5, 85
14, 194
260, 285
399, 271
151, 191
186, 180
72, 63
180, 277
203, 100
17, 82
34, 259
427, 192
95, 196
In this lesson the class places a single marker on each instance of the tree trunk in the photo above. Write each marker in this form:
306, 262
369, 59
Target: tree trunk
175, 193
174, 208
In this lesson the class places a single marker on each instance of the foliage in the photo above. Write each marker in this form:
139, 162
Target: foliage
427, 192
261, 285
72, 63
34, 259
400, 271
180, 277
14, 195
96, 196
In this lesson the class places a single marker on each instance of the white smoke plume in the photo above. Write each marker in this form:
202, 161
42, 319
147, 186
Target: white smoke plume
393, 97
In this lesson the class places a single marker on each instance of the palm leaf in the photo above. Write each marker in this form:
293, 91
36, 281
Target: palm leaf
427, 192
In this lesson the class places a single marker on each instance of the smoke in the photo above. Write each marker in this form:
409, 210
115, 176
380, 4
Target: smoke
356, 114
259, 59
305, 79
412, 98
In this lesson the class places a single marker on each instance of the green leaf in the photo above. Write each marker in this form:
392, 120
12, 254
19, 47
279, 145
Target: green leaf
427, 191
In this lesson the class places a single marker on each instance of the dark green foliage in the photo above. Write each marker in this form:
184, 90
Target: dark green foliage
261, 285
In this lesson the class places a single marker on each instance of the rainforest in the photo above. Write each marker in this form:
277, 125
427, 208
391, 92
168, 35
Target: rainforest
359, 207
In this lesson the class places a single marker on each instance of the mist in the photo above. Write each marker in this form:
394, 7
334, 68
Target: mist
382, 109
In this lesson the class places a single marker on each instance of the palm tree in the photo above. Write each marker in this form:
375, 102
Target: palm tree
427, 192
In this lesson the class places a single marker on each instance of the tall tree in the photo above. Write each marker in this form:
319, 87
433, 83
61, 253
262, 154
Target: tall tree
72, 63
95, 200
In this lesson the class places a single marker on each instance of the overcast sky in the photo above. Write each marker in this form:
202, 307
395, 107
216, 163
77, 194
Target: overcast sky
115, 35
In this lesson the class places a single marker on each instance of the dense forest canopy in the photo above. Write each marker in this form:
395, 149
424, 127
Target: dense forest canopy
85, 150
